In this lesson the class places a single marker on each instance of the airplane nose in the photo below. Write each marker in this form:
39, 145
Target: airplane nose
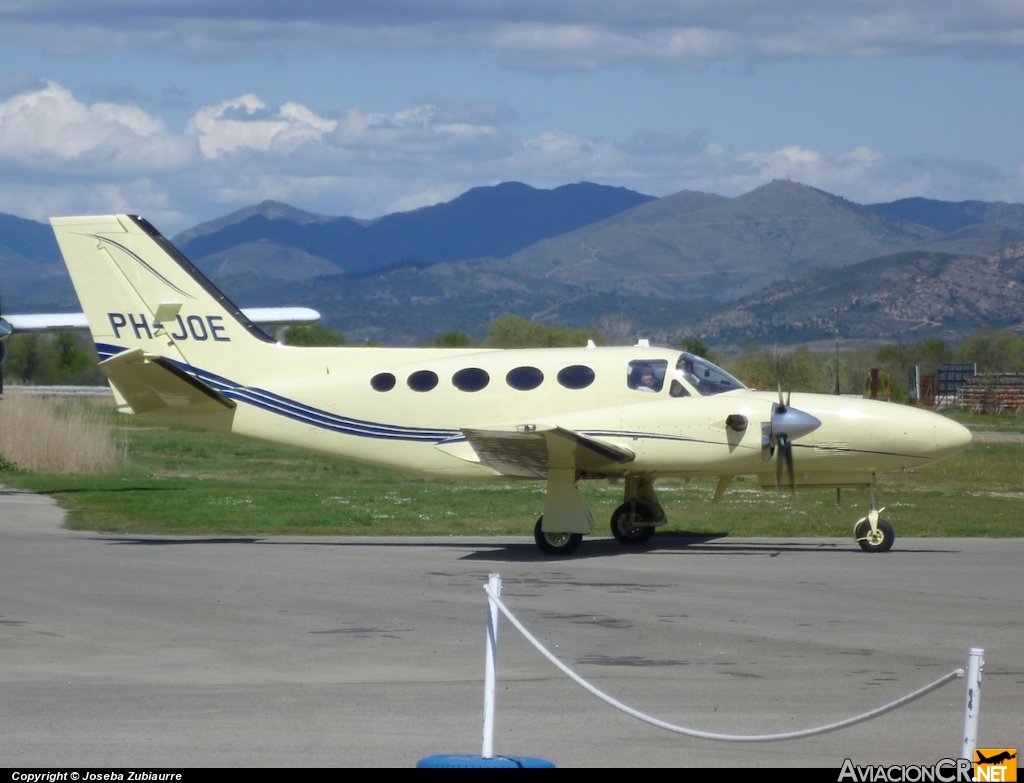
794, 423
950, 437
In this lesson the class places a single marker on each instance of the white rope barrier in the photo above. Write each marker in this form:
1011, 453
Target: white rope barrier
788, 735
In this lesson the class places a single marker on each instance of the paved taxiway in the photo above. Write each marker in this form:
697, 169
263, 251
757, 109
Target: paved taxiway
166, 651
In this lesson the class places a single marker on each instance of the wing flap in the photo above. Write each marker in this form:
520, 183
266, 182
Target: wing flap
530, 451
150, 383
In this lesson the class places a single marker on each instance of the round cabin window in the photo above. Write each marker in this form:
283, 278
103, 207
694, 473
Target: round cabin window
383, 382
471, 379
576, 376
422, 380
524, 378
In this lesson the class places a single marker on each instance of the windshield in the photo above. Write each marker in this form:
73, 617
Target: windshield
706, 377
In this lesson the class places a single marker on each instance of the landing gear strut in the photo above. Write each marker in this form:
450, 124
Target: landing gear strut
634, 521
873, 533
631, 523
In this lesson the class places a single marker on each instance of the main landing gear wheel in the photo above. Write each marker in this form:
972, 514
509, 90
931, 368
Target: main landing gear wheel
628, 523
879, 540
556, 543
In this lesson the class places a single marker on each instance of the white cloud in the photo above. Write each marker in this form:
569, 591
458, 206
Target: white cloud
59, 155
529, 34
245, 123
50, 129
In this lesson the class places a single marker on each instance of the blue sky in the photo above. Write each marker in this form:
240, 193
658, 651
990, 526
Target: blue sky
184, 111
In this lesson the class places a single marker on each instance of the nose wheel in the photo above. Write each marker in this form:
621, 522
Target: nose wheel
874, 538
873, 533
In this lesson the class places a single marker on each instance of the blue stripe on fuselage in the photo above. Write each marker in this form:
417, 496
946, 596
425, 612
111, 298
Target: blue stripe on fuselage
282, 406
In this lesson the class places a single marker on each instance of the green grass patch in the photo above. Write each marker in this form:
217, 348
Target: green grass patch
986, 422
181, 481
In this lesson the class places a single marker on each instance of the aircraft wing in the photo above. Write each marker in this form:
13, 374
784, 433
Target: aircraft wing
531, 451
150, 383
48, 322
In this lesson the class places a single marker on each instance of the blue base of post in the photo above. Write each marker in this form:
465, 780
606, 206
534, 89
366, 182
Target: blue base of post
479, 762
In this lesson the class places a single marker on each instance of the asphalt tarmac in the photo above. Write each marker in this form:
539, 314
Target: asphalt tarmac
176, 651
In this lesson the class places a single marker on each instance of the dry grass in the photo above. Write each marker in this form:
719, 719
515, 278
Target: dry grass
40, 435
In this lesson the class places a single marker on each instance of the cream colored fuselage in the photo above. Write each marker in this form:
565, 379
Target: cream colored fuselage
670, 436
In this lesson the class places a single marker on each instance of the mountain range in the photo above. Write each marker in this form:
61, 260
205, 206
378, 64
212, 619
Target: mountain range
905, 297
483, 222
784, 261
31, 268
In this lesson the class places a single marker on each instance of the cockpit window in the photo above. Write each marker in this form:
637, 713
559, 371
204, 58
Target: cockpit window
646, 376
707, 378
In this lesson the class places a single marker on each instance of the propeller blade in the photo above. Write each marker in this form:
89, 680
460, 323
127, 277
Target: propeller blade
789, 394
787, 453
778, 467
778, 378
784, 458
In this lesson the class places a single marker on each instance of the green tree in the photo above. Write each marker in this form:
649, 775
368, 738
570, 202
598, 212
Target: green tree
756, 367
994, 350
698, 348
513, 331
452, 340
44, 359
897, 359
314, 334
71, 360
29, 359
799, 369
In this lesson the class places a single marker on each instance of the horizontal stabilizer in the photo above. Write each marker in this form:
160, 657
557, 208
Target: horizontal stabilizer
530, 451
151, 383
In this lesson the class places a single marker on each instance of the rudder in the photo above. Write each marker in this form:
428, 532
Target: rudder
139, 291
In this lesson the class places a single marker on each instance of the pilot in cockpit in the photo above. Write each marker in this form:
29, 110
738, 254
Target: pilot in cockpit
685, 367
645, 380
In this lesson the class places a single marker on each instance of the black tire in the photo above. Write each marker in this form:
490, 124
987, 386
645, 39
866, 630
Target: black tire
625, 523
882, 541
556, 543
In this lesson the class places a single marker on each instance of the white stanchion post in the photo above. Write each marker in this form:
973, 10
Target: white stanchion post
975, 663
490, 664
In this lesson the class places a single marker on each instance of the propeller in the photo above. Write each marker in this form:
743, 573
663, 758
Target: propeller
786, 425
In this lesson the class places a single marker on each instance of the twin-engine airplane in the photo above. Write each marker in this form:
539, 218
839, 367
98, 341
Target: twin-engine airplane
175, 348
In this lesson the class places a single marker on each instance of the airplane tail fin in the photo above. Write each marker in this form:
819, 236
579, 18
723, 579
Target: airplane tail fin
139, 292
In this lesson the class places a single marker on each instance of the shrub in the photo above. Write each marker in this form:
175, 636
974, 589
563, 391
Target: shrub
39, 436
